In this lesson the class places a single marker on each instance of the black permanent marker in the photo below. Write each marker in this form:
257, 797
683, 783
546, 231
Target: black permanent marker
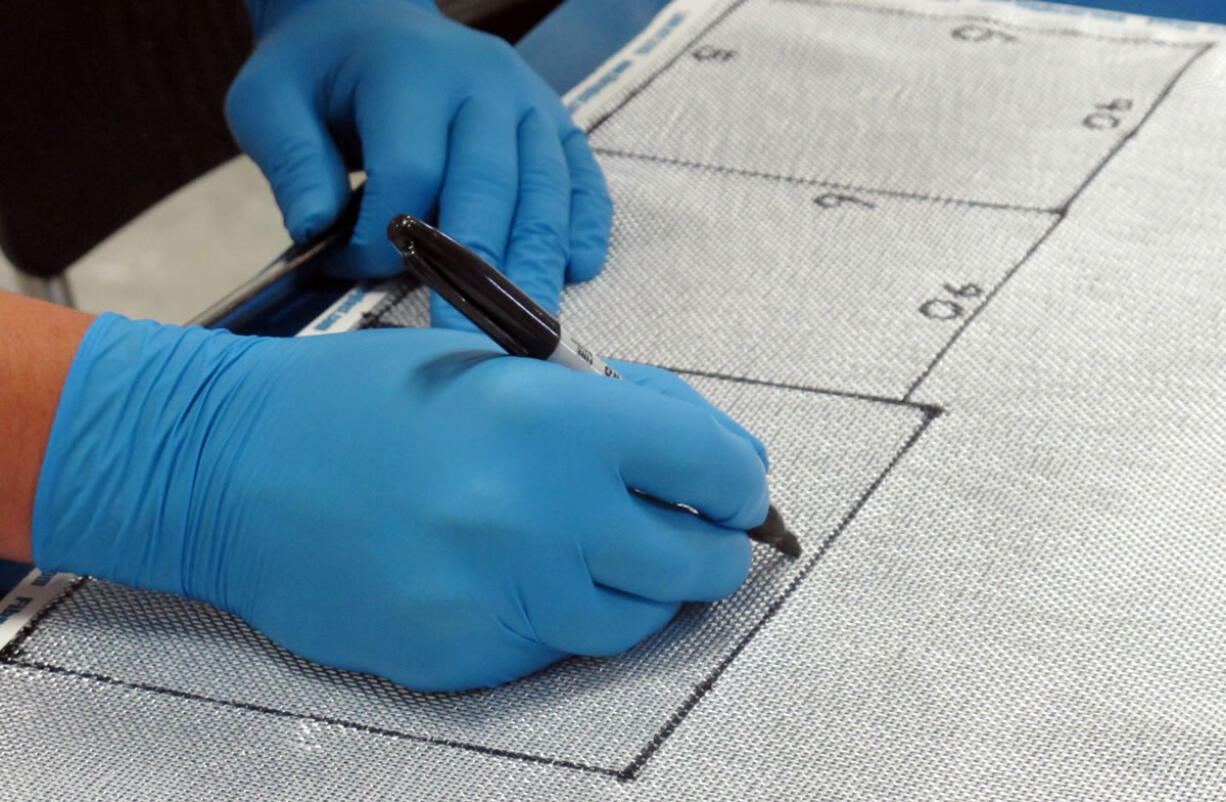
516, 322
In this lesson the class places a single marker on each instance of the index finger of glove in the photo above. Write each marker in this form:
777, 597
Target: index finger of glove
591, 208
678, 453
404, 154
536, 259
664, 553
670, 384
477, 201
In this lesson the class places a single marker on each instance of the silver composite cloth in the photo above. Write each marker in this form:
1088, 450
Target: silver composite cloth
962, 266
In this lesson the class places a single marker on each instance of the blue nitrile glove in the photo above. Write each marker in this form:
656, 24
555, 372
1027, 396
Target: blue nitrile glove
409, 503
434, 113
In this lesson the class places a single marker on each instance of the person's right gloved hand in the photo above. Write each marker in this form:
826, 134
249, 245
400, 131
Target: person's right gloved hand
409, 503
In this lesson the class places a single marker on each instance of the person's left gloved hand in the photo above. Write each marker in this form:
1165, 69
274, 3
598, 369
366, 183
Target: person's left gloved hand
438, 116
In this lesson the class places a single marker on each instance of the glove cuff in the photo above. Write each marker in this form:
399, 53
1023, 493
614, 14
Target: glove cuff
125, 456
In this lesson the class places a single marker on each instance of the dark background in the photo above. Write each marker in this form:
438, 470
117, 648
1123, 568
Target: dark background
108, 106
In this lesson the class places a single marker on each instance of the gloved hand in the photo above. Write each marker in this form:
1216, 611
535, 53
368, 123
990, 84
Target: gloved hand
435, 113
409, 503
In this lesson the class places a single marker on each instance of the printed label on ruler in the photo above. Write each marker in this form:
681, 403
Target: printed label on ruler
25, 601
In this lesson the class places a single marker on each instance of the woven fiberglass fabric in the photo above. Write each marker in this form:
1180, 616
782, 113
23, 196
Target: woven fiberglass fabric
962, 266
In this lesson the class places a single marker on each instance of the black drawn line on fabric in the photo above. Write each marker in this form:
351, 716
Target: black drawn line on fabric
329, 720
404, 286
929, 412
1063, 213
1049, 31
795, 179
833, 200
1149, 113
931, 409
633, 93
723, 15
953, 338
13, 648
632, 771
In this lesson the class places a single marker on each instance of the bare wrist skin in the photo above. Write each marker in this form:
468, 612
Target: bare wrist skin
37, 344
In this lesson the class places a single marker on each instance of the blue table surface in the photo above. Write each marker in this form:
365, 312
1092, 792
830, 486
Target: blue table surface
603, 26
1199, 10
